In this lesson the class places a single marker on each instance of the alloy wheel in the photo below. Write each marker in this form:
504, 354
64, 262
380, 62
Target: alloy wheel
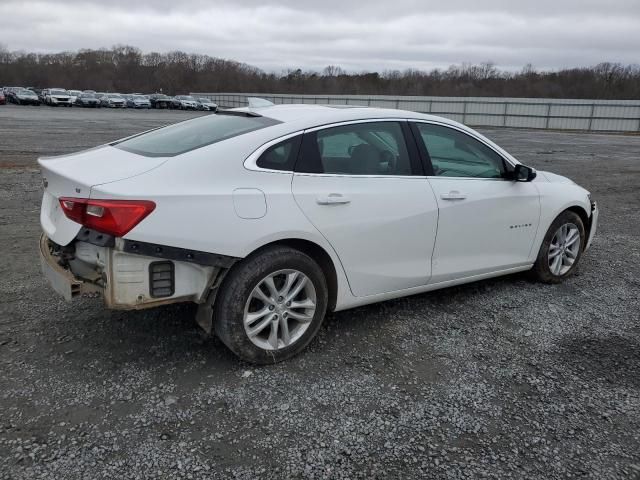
279, 309
564, 249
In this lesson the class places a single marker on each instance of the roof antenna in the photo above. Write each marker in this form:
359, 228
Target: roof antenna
256, 102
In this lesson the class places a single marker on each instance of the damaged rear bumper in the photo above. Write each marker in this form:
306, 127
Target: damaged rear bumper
61, 279
125, 280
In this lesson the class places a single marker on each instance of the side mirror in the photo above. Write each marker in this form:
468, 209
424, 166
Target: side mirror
522, 173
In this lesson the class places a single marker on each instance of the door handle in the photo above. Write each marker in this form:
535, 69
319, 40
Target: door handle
333, 199
453, 195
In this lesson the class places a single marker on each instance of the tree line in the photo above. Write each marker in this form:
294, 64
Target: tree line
125, 68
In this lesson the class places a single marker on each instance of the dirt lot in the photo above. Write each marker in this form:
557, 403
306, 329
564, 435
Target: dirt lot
498, 379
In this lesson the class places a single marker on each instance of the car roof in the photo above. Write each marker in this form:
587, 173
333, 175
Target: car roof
309, 116
298, 117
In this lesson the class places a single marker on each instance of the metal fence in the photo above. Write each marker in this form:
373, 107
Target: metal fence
560, 114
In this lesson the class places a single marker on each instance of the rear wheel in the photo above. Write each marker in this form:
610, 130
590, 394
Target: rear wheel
271, 305
561, 249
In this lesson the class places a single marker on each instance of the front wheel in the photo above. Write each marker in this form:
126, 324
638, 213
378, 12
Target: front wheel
271, 305
561, 249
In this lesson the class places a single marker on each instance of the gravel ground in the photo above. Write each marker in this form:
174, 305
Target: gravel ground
499, 379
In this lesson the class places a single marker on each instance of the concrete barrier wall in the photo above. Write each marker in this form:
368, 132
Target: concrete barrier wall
544, 113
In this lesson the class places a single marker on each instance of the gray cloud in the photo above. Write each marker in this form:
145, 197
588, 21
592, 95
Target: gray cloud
362, 35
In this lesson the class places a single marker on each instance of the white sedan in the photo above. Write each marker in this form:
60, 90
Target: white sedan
269, 217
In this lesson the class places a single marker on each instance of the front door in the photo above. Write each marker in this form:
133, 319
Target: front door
487, 221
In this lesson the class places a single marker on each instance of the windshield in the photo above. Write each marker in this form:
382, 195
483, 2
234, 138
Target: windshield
185, 97
192, 134
24, 91
114, 95
204, 100
138, 97
74, 92
58, 92
87, 95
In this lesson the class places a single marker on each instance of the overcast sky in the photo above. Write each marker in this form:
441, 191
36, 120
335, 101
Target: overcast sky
354, 34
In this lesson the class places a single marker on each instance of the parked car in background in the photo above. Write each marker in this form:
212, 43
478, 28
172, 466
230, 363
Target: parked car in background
87, 100
207, 105
160, 100
8, 92
113, 100
137, 101
74, 95
187, 102
174, 103
3, 98
310, 209
56, 97
23, 96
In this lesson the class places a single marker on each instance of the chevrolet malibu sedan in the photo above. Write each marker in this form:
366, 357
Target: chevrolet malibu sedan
268, 218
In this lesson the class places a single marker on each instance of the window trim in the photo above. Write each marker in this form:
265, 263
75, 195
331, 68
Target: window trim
424, 151
410, 142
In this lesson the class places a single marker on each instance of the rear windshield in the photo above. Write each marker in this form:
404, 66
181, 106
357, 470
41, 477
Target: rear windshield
192, 134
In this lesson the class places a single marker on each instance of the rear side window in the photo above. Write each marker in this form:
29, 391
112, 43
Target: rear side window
367, 148
192, 134
281, 156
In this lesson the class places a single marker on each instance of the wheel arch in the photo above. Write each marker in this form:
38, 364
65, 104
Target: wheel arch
549, 214
319, 255
584, 216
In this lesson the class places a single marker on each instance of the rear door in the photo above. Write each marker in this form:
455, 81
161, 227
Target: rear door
362, 186
487, 221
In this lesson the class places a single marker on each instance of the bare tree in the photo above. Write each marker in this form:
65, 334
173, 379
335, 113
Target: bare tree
127, 69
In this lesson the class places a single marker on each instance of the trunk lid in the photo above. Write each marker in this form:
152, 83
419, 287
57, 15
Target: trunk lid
75, 174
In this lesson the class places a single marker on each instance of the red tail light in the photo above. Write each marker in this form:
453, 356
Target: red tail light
115, 217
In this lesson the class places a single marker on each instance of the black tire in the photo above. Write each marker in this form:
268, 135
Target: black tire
228, 312
541, 270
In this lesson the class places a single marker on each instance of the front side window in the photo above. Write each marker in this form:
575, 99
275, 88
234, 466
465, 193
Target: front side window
192, 134
456, 154
369, 148
281, 156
